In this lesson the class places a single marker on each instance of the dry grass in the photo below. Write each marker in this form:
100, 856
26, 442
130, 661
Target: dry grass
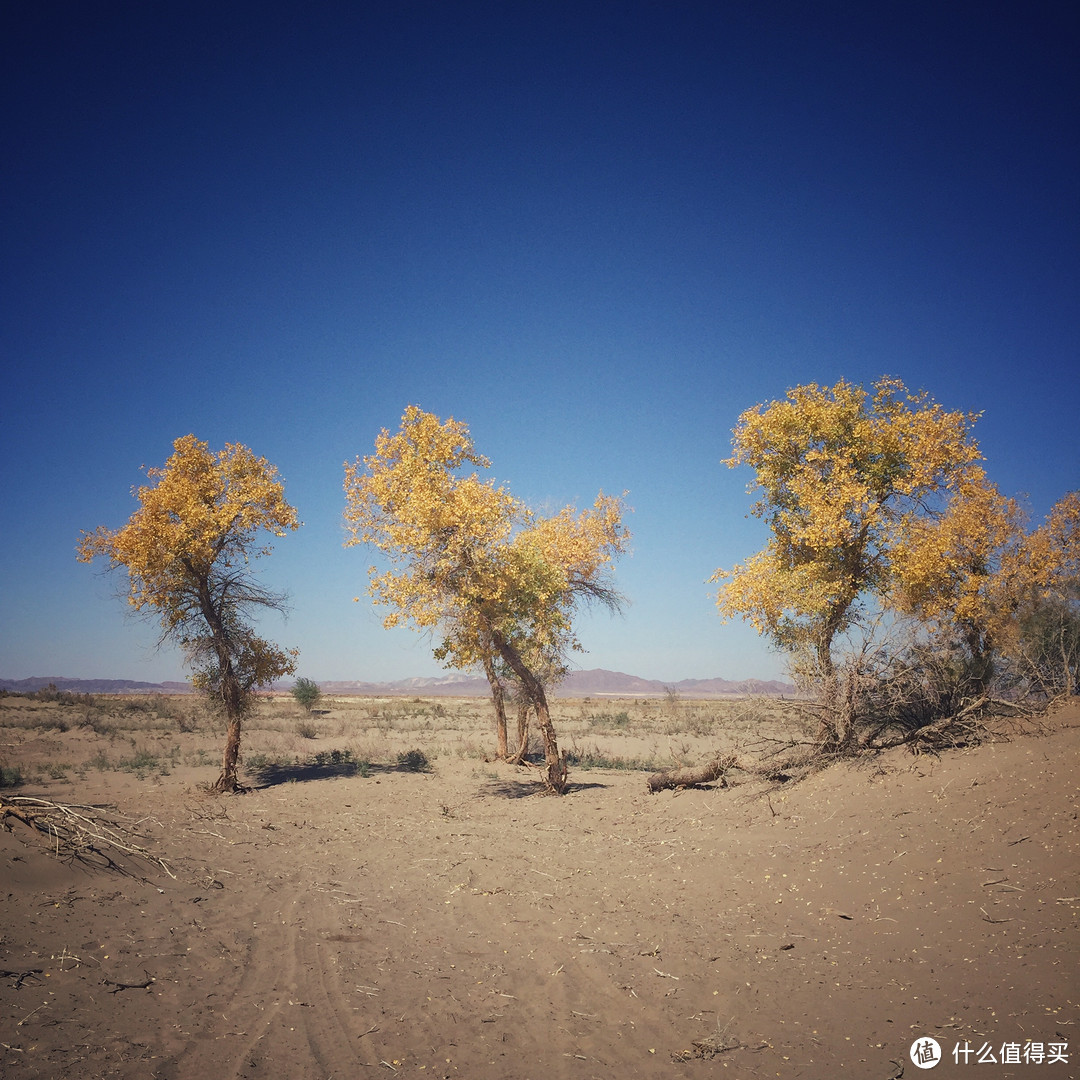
153, 735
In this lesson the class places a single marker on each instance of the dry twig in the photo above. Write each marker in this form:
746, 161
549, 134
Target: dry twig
118, 986
77, 832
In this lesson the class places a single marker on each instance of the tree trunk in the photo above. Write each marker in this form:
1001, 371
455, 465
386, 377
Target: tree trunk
554, 762
498, 695
233, 695
233, 701
690, 777
522, 733
229, 782
982, 660
1070, 679
829, 732
837, 729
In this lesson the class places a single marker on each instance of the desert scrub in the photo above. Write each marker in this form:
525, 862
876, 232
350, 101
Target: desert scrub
100, 761
592, 757
98, 724
188, 721
698, 722
39, 721
307, 729
333, 757
143, 761
279, 770
61, 697
257, 762
10, 776
619, 721
413, 761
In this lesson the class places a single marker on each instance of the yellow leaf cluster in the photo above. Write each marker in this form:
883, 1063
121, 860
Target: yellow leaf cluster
464, 554
1055, 547
968, 567
201, 515
841, 475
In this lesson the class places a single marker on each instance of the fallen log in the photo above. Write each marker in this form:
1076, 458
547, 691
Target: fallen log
691, 776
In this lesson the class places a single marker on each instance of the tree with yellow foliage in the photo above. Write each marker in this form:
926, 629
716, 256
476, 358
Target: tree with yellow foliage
187, 552
847, 479
967, 570
472, 563
1055, 547
1050, 628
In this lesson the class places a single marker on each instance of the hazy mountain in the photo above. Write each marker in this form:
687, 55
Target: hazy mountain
92, 686
595, 683
598, 681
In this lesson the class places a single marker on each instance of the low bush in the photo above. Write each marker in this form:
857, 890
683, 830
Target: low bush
619, 721
10, 776
62, 697
591, 757
413, 761
333, 757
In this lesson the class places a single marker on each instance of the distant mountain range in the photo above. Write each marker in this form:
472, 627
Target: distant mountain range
595, 683
93, 686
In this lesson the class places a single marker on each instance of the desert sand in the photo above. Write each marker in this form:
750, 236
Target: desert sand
343, 920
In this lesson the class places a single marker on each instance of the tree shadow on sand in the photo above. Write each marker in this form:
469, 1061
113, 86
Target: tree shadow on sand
522, 789
271, 775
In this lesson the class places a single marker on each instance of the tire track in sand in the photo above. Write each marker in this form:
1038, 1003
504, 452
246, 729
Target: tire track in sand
285, 1013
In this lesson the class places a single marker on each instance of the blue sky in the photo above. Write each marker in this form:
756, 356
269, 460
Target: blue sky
595, 232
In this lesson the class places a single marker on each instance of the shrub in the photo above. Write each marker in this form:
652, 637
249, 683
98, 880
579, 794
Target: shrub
100, 761
62, 697
619, 721
591, 757
1050, 647
334, 757
306, 693
10, 776
97, 723
141, 762
187, 723
413, 761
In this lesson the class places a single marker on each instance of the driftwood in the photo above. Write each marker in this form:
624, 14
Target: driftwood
690, 777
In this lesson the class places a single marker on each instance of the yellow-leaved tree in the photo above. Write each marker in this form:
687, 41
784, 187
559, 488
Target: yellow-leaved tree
967, 570
1011, 597
848, 482
1055, 547
1050, 627
187, 551
473, 564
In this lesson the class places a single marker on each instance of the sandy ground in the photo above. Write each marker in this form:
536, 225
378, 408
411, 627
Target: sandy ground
458, 923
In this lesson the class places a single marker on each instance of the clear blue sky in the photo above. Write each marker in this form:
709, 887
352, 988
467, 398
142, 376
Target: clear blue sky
595, 232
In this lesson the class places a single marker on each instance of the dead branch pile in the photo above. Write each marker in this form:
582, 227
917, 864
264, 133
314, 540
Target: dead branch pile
96, 835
